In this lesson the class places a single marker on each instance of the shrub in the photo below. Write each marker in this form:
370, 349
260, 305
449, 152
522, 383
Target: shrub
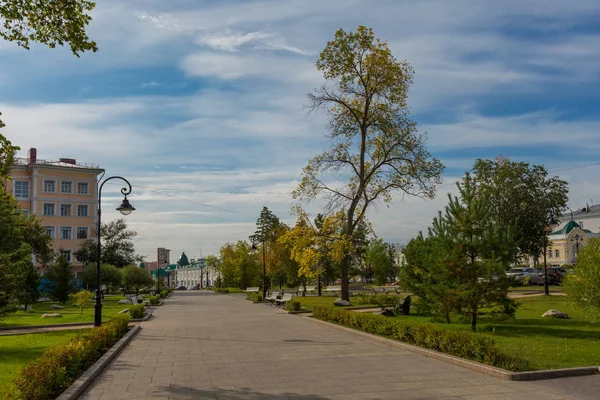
137, 311
224, 291
364, 298
163, 293
469, 345
83, 299
154, 300
292, 305
254, 296
59, 366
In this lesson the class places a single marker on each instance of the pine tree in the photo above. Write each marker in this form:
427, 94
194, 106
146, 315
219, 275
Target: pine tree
26, 290
61, 276
478, 254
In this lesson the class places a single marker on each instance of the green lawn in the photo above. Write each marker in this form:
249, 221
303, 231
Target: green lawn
547, 342
533, 288
308, 302
16, 351
69, 314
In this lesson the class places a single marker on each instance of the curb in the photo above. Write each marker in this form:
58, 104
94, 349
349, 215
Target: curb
147, 316
473, 365
81, 384
10, 328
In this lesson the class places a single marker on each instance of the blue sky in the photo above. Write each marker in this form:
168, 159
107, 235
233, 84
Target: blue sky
200, 103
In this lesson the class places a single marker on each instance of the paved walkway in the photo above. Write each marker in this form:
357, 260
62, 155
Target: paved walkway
205, 346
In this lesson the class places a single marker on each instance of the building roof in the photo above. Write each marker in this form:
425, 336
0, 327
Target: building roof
183, 260
580, 212
569, 226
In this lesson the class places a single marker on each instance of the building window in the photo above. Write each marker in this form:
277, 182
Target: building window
66, 253
49, 209
65, 232
22, 189
50, 231
65, 210
82, 210
557, 253
82, 188
50, 186
82, 233
66, 187
549, 253
25, 212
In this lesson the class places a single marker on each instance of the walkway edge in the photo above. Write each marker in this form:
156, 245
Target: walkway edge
81, 384
473, 365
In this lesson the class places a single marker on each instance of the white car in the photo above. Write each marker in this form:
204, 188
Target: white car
521, 273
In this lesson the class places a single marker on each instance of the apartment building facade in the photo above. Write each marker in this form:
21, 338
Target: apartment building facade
62, 194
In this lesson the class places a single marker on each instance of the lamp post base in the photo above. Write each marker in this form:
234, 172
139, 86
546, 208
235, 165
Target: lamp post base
97, 313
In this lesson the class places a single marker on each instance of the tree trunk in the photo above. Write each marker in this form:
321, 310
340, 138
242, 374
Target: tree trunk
344, 278
474, 320
447, 318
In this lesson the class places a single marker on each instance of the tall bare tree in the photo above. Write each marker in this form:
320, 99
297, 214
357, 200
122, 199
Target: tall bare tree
375, 146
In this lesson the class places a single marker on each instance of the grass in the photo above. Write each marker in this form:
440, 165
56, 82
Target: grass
547, 342
16, 351
70, 314
533, 288
308, 302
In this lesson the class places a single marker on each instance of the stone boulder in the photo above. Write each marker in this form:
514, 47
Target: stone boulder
22, 308
341, 303
56, 307
53, 315
125, 301
555, 314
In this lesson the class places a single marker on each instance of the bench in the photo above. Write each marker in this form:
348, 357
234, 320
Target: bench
333, 289
309, 289
378, 289
284, 299
271, 298
252, 289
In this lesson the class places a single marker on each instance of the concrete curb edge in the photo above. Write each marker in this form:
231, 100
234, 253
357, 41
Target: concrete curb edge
473, 365
81, 384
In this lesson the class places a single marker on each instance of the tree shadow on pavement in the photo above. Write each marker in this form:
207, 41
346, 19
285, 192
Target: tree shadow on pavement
184, 392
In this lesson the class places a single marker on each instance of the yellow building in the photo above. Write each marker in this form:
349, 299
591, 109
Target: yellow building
62, 194
564, 244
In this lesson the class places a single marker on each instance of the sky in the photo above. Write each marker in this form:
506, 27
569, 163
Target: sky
201, 103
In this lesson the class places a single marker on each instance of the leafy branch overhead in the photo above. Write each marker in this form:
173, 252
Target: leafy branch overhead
52, 23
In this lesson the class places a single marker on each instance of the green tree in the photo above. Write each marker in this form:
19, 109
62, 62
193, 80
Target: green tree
476, 254
83, 299
374, 143
28, 282
239, 267
377, 256
583, 286
61, 275
135, 278
110, 275
117, 245
523, 195
51, 23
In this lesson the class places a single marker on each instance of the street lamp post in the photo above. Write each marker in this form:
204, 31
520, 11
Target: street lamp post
125, 208
576, 239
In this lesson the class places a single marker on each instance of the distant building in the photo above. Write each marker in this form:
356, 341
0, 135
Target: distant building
62, 194
399, 258
194, 273
565, 243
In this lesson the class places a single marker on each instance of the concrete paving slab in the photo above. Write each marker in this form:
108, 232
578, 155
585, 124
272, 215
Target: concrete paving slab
201, 345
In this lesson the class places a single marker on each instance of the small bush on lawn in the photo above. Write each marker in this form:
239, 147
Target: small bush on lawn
59, 366
163, 294
471, 346
224, 291
292, 305
136, 311
254, 296
154, 300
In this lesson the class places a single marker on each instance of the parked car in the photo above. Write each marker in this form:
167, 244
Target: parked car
555, 275
520, 274
181, 288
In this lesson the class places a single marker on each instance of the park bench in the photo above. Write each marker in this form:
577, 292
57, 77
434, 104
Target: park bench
309, 289
284, 299
271, 298
252, 289
397, 289
378, 289
333, 289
